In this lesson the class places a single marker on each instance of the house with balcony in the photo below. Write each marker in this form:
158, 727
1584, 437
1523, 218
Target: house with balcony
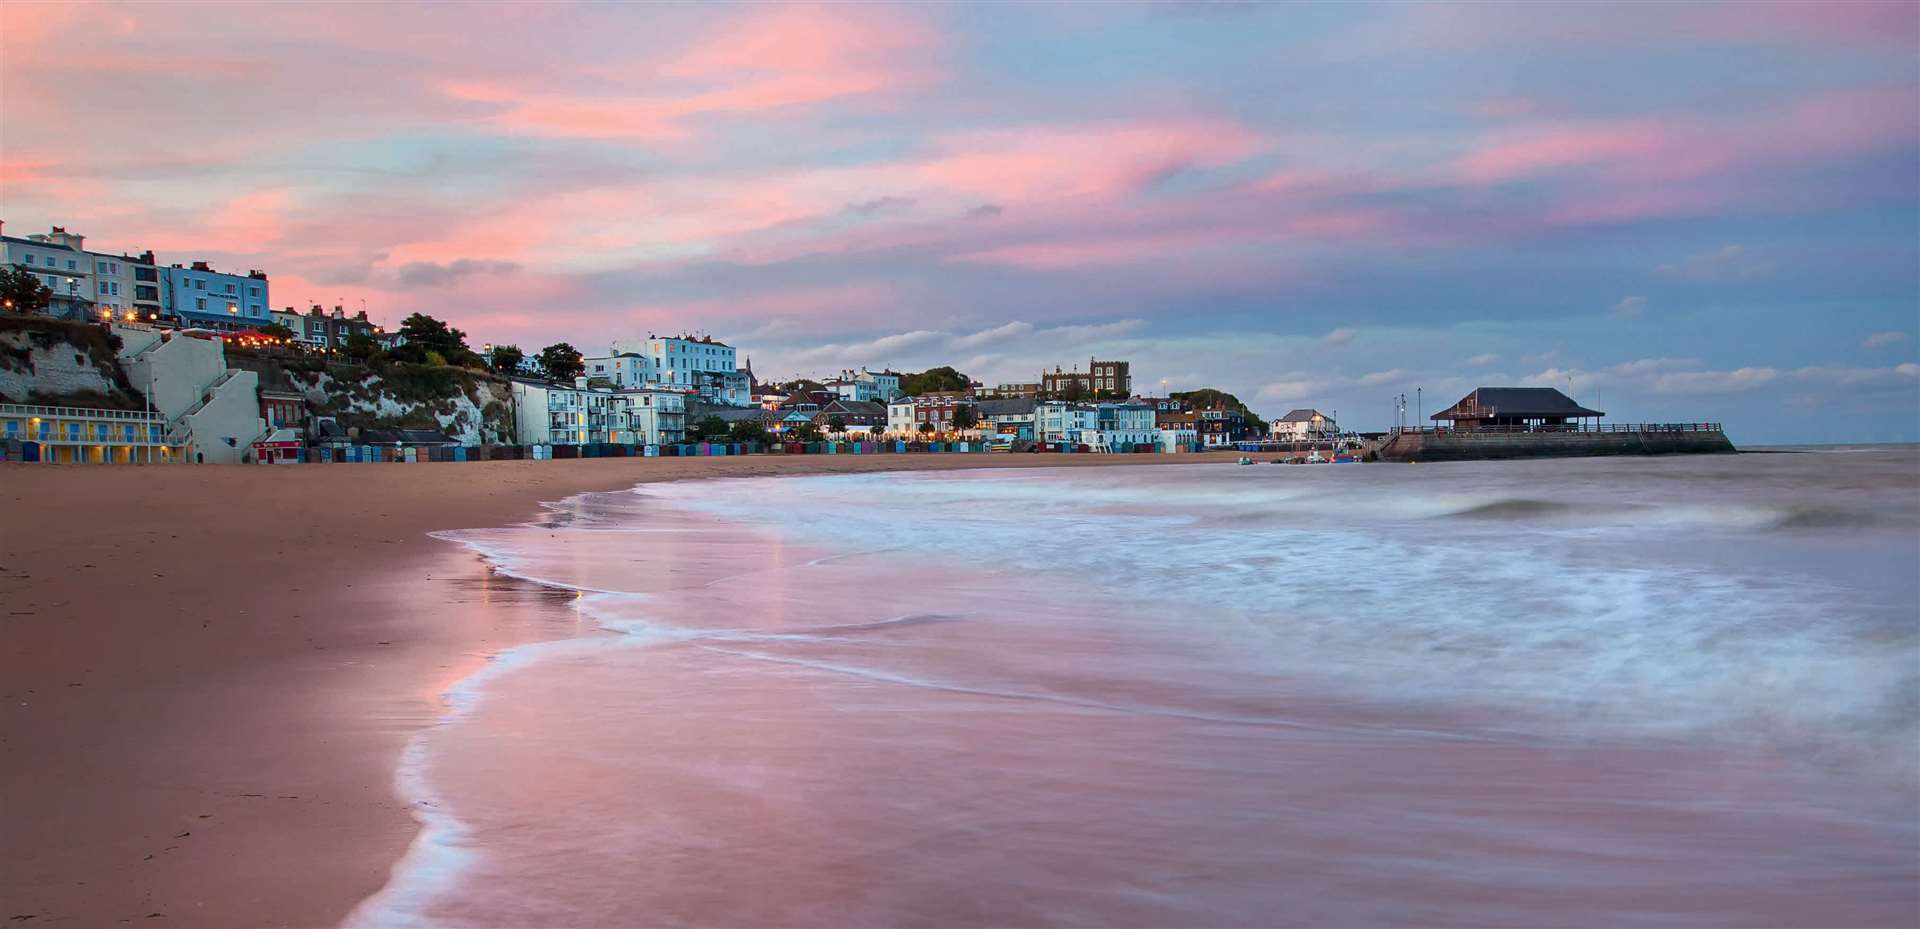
83, 435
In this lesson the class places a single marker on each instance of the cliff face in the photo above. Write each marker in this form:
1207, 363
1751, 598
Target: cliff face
50, 362
471, 407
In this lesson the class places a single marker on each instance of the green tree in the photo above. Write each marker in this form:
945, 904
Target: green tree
433, 335
748, 430
709, 429
1074, 392
804, 432
561, 362
434, 359
21, 292
836, 424
965, 417
361, 347
277, 331
506, 358
926, 429
934, 379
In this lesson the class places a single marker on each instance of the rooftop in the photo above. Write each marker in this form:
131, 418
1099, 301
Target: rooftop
1517, 402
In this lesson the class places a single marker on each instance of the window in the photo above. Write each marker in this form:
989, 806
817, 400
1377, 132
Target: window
73, 264
200, 303
73, 432
103, 286
230, 289
100, 267
51, 263
116, 288
51, 281
130, 432
253, 291
13, 428
199, 285
100, 431
28, 256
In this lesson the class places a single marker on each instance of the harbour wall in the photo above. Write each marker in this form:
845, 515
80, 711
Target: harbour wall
1470, 446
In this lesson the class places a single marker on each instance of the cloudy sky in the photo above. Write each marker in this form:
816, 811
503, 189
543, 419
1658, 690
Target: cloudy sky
1692, 211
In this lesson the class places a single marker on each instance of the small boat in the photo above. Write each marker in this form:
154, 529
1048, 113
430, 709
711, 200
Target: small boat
1315, 458
1245, 460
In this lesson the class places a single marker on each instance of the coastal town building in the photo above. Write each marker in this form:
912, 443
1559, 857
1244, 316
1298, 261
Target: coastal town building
1220, 427
936, 409
853, 416
1009, 392
57, 259
125, 287
1101, 379
1011, 417
621, 369
317, 328
1062, 421
701, 365
648, 415
1122, 427
559, 414
82, 435
1304, 425
882, 386
198, 296
1515, 409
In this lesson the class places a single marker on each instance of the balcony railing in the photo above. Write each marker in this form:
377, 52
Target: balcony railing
79, 412
1557, 428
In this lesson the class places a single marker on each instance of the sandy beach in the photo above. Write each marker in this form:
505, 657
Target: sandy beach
208, 673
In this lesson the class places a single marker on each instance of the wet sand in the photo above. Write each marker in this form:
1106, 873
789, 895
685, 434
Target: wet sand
208, 673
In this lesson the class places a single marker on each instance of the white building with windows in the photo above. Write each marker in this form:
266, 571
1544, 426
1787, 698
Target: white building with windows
1304, 426
60, 262
560, 414
622, 369
877, 386
703, 365
1061, 421
649, 415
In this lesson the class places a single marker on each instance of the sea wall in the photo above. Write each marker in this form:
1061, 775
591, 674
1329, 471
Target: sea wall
1469, 446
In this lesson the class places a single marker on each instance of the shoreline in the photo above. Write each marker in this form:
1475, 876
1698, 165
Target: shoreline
211, 672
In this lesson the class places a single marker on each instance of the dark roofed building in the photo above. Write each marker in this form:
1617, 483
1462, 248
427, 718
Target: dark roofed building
852, 413
1514, 408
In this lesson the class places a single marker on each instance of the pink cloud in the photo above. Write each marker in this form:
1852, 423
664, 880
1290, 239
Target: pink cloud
766, 59
1519, 153
1864, 22
1097, 160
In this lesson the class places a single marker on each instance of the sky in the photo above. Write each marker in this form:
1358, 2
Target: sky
1679, 212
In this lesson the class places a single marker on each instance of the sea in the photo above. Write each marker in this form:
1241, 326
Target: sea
1674, 691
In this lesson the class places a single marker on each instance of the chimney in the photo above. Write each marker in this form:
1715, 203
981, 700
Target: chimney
201, 266
146, 257
339, 312
580, 383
